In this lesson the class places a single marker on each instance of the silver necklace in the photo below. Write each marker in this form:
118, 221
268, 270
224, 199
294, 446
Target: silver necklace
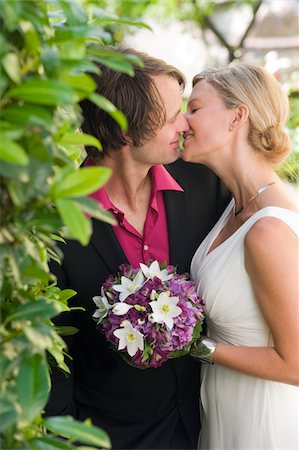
258, 192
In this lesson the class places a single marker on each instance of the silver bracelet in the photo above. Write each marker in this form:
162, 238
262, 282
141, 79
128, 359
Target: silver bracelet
203, 349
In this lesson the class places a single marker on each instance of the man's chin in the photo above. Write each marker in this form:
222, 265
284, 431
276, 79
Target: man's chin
174, 159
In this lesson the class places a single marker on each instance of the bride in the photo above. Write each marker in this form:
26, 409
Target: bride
246, 269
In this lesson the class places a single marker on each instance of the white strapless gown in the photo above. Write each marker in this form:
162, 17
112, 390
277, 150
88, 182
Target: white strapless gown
240, 411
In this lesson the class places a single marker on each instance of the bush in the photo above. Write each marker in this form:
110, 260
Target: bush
46, 48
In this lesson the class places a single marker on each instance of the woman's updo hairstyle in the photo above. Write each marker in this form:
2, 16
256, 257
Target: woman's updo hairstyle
267, 102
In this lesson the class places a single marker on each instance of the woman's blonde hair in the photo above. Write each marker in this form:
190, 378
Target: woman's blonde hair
268, 105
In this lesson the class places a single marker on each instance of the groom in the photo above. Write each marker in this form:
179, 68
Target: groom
163, 208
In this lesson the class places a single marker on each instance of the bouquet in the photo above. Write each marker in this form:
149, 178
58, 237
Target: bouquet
149, 314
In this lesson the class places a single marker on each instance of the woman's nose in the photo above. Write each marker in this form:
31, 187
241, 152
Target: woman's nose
184, 126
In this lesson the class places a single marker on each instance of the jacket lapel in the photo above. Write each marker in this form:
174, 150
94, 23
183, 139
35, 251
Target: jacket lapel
107, 245
175, 205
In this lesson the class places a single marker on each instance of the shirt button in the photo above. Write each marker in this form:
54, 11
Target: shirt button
121, 224
145, 247
115, 212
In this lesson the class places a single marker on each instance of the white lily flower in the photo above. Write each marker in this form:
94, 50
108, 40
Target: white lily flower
154, 271
165, 309
128, 287
121, 308
103, 306
129, 338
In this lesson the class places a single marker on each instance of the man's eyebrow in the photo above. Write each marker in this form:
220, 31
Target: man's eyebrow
174, 116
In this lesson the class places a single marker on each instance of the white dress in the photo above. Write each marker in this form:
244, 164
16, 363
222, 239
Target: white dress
239, 411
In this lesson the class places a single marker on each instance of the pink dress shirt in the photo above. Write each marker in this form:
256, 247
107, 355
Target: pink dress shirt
154, 242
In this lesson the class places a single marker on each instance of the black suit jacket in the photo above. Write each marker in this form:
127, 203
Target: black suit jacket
138, 408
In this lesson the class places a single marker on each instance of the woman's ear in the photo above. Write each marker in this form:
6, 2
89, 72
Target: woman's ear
240, 116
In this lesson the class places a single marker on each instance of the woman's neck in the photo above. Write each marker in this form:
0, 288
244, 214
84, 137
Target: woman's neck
244, 176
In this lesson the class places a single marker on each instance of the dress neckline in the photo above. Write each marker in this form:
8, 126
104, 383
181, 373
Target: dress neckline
223, 220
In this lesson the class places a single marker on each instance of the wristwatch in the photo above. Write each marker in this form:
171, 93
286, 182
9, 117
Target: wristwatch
203, 349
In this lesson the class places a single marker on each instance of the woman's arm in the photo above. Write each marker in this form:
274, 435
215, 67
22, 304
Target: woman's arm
272, 262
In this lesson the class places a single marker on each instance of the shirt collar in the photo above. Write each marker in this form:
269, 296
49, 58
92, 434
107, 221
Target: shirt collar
161, 181
101, 196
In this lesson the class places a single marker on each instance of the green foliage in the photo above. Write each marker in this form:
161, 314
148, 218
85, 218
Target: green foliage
46, 48
289, 170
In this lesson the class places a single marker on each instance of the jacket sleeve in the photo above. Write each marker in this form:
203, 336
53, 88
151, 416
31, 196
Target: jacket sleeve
61, 399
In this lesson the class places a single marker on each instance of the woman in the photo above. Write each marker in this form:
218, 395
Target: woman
246, 269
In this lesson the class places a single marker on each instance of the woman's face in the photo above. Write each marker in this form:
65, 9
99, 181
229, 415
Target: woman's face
209, 121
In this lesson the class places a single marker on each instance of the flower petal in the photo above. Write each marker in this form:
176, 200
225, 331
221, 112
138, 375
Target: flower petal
144, 269
124, 295
121, 308
139, 279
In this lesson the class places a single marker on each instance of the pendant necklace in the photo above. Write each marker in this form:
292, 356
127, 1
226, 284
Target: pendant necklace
258, 192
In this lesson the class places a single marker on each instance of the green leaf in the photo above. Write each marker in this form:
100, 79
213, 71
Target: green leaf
77, 223
81, 182
8, 414
44, 92
66, 294
197, 331
104, 53
28, 114
39, 335
73, 50
80, 82
110, 20
33, 385
116, 64
79, 138
12, 152
55, 237
48, 443
36, 273
36, 310
11, 64
178, 353
5, 367
14, 172
66, 330
78, 31
94, 209
107, 106
68, 427
10, 131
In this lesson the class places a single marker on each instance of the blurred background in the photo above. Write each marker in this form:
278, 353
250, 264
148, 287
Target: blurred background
194, 34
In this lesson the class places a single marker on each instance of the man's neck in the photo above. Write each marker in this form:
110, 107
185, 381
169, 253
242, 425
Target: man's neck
129, 186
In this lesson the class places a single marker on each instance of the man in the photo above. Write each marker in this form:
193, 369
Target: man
162, 213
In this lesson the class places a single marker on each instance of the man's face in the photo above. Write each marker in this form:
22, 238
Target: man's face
163, 147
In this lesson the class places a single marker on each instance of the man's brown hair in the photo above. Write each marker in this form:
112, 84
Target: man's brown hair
136, 96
